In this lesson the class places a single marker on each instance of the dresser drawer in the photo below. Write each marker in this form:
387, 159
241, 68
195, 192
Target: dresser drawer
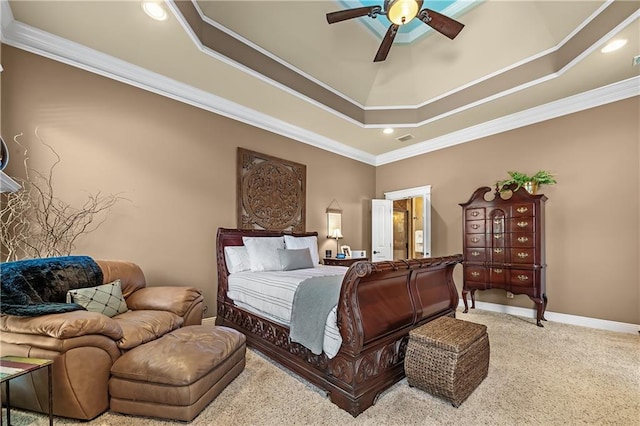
475, 214
475, 254
475, 240
523, 255
474, 227
498, 254
522, 277
498, 240
523, 210
496, 225
521, 224
476, 274
521, 239
498, 277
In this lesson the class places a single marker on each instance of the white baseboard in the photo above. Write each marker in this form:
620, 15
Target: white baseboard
209, 321
601, 324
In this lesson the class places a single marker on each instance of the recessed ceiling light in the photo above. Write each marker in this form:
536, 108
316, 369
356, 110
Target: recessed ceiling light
387, 131
154, 10
614, 45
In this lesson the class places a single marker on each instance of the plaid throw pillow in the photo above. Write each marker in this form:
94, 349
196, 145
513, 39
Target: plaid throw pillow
105, 299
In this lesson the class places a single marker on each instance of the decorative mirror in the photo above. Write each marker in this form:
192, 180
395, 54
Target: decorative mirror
334, 220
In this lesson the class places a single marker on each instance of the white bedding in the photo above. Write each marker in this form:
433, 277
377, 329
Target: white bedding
270, 294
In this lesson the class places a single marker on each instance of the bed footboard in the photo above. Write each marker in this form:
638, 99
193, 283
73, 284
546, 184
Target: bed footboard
379, 304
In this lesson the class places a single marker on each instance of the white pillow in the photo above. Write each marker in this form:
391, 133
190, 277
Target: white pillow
263, 252
237, 259
311, 243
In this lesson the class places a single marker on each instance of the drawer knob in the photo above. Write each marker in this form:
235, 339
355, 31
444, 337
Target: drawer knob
475, 226
523, 239
497, 236
475, 274
497, 271
498, 221
475, 239
523, 255
522, 209
474, 213
523, 277
475, 253
497, 250
523, 224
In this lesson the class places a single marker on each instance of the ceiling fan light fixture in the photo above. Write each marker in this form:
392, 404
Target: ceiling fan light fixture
401, 12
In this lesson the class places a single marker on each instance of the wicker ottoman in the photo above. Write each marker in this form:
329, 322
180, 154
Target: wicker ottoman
448, 358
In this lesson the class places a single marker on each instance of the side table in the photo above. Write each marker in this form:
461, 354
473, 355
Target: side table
15, 366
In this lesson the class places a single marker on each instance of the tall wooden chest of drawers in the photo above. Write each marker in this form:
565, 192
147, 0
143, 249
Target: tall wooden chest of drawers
504, 245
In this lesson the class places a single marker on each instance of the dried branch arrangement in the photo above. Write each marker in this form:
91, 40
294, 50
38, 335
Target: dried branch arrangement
35, 223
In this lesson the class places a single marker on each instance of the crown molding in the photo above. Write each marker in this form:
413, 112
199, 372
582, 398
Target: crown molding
194, 38
39, 42
590, 99
332, 109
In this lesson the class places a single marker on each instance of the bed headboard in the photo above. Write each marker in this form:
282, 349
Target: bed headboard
233, 237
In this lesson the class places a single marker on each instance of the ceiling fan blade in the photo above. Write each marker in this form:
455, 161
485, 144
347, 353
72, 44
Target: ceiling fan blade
441, 23
387, 41
343, 15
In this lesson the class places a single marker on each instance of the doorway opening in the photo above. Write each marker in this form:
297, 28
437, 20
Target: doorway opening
408, 228
400, 231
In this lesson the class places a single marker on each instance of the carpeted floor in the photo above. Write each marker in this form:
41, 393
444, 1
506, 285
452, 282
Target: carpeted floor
557, 375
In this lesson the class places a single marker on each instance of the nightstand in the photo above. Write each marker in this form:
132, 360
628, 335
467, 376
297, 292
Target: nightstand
342, 262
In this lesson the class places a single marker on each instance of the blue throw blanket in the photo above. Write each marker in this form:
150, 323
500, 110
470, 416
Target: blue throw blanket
313, 300
36, 287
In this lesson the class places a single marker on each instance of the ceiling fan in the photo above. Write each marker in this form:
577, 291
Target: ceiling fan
399, 12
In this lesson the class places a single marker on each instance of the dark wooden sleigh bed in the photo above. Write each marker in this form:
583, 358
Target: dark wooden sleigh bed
379, 304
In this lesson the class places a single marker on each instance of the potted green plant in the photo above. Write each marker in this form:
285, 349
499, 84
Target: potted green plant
530, 183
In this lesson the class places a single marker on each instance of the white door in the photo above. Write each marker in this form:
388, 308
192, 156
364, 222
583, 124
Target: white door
381, 230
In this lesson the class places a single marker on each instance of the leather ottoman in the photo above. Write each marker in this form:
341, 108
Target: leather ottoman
177, 375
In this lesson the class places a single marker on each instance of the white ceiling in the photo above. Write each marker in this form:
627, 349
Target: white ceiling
514, 63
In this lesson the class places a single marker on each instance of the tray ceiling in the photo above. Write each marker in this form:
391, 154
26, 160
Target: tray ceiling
282, 64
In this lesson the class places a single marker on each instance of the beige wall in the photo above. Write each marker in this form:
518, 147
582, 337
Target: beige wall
176, 165
593, 218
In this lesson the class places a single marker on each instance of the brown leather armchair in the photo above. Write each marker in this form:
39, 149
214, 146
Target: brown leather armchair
84, 345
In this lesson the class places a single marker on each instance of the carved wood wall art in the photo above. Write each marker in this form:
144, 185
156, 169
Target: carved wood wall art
271, 192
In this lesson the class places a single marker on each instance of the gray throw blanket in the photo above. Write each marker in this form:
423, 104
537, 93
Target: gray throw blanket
312, 302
